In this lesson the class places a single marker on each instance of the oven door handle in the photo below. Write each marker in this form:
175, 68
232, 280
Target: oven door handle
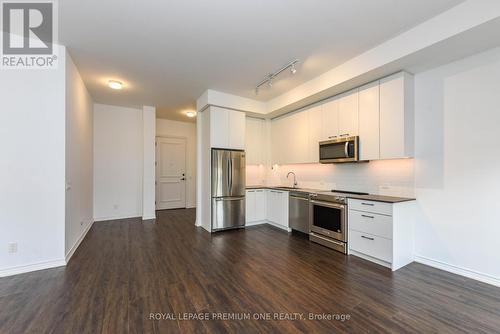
346, 149
328, 204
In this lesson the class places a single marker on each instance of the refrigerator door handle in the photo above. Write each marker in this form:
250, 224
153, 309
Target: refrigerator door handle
229, 199
231, 175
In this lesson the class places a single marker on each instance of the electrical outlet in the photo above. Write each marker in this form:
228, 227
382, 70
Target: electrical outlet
12, 247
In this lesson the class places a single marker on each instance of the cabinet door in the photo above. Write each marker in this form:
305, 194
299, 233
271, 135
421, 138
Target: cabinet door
236, 130
219, 125
277, 141
330, 126
396, 116
283, 208
260, 204
315, 121
271, 207
348, 114
297, 144
254, 141
250, 209
369, 134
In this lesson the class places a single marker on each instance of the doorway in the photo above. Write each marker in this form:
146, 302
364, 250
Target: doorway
170, 173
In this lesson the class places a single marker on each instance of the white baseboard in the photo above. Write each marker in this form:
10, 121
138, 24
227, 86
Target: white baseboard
78, 242
103, 219
286, 228
260, 222
32, 267
149, 217
485, 278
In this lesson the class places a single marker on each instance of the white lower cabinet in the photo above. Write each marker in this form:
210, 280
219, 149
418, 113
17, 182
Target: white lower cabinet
381, 232
267, 206
277, 208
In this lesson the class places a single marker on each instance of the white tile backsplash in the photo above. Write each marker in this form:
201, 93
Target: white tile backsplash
384, 177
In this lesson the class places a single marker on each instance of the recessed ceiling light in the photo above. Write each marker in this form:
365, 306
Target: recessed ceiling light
113, 84
191, 114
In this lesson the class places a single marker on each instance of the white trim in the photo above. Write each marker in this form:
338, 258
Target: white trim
485, 278
32, 267
148, 218
370, 258
255, 223
286, 228
103, 219
78, 242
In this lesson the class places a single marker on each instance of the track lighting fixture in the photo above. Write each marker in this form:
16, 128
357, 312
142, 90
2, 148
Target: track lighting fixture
270, 77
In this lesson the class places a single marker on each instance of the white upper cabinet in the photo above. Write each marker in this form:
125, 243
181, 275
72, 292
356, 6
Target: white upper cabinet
298, 147
380, 113
396, 116
369, 135
290, 139
348, 114
315, 124
254, 141
330, 125
227, 128
237, 124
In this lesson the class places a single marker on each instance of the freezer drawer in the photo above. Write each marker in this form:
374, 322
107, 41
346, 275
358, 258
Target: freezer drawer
228, 212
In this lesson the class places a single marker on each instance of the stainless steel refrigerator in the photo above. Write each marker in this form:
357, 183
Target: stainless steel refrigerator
228, 189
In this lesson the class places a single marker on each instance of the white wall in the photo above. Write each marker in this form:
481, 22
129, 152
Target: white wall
118, 162
457, 172
148, 162
166, 128
79, 158
32, 168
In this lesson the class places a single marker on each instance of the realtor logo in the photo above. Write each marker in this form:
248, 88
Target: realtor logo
28, 34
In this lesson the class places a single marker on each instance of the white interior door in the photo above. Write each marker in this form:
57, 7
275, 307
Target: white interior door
170, 173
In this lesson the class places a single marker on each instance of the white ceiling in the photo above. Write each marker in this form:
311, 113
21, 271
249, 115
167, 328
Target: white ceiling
169, 52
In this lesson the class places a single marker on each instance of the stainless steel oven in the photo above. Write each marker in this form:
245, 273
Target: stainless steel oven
328, 221
344, 149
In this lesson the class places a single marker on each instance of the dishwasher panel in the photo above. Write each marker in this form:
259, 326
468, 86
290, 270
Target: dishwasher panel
299, 212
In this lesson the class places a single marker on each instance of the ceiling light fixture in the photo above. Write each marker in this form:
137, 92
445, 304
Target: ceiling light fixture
191, 114
270, 77
113, 84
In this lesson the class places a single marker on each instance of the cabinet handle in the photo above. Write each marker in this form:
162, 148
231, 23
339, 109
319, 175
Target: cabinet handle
331, 137
367, 237
367, 216
369, 204
344, 135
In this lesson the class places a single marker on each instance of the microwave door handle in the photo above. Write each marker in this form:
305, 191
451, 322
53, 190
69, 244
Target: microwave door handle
346, 149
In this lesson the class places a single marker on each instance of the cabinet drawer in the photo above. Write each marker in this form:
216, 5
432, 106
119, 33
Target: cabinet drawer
371, 245
371, 206
371, 223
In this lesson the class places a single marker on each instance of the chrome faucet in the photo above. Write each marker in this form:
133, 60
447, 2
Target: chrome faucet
294, 179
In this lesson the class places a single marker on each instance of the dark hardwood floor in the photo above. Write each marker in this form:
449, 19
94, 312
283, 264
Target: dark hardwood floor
126, 270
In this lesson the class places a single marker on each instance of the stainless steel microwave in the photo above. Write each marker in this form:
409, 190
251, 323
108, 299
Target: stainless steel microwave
343, 149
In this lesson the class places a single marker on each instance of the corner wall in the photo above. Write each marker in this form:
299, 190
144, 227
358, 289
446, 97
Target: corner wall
118, 145
79, 159
32, 168
457, 170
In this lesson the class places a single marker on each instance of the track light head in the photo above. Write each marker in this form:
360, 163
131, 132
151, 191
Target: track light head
293, 69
